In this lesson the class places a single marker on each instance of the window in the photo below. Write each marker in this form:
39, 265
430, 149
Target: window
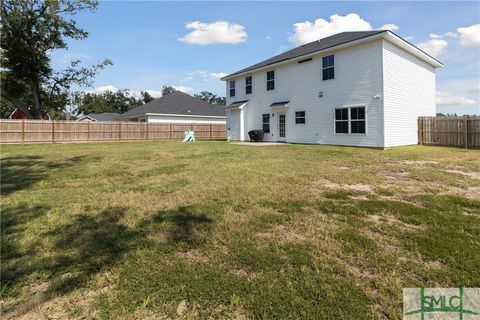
299, 117
357, 120
266, 122
328, 67
232, 88
270, 80
341, 120
248, 85
350, 120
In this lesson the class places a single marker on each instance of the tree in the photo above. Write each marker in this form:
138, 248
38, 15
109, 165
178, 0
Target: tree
146, 97
167, 89
120, 101
211, 97
30, 30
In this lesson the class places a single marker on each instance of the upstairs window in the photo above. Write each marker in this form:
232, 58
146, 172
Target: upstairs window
248, 85
266, 122
300, 117
350, 120
232, 88
270, 80
328, 68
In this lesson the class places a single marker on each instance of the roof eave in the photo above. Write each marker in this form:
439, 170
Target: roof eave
407, 46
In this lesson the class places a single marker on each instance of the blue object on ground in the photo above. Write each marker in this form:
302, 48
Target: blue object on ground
189, 136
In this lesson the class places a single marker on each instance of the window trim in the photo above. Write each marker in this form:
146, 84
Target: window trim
329, 67
271, 80
230, 88
304, 117
263, 123
249, 85
349, 106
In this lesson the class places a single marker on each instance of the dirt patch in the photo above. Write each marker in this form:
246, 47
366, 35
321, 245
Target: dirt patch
357, 187
396, 176
474, 175
420, 163
471, 192
380, 219
192, 256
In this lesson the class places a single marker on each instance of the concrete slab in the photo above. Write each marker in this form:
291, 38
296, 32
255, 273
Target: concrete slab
259, 144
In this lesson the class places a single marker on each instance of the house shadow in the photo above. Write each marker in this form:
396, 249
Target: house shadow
20, 171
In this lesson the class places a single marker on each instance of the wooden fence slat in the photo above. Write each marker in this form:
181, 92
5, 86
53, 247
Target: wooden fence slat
46, 131
462, 132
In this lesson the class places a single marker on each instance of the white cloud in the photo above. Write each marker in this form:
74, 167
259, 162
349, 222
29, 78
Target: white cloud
434, 46
469, 36
184, 89
203, 75
389, 26
217, 75
215, 32
447, 98
475, 89
134, 93
153, 93
103, 89
307, 31
435, 36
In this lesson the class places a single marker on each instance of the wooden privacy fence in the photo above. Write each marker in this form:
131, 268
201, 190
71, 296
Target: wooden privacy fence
461, 132
35, 131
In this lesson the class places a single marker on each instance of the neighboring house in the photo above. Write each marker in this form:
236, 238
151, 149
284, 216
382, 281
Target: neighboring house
106, 116
19, 115
353, 88
177, 107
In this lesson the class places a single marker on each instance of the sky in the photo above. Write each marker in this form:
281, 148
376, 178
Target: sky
190, 45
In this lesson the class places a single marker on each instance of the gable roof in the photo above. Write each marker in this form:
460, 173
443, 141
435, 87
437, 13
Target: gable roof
106, 116
179, 103
324, 44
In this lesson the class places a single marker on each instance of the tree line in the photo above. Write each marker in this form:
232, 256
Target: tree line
30, 31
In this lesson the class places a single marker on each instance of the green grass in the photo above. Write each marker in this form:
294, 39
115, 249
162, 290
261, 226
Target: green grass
133, 230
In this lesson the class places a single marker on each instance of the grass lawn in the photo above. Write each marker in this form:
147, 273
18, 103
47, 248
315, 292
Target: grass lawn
215, 230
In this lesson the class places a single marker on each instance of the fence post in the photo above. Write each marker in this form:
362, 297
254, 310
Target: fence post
120, 131
88, 130
465, 124
53, 131
23, 130
420, 131
210, 132
169, 131
147, 131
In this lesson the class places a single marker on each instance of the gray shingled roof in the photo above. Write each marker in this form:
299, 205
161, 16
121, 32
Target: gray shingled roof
106, 116
178, 103
311, 47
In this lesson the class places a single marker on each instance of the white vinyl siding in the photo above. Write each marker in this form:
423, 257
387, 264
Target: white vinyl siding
358, 78
409, 92
394, 86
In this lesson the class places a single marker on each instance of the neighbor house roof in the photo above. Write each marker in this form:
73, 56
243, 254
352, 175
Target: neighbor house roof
334, 41
178, 103
106, 116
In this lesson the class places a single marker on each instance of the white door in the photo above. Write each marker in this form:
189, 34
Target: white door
281, 127
233, 129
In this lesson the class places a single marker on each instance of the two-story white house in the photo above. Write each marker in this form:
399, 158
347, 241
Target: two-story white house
364, 88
